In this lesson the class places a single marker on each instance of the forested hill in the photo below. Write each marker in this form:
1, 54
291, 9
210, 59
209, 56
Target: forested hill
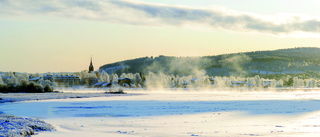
270, 63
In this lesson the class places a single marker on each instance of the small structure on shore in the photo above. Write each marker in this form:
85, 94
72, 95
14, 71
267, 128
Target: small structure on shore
238, 83
126, 82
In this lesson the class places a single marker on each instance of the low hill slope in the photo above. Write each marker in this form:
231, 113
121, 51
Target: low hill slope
276, 62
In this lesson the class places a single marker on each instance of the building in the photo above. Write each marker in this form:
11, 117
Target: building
91, 69
238, 83
62, 79
36, 79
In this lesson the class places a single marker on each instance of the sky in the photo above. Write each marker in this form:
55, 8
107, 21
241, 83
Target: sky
61, 36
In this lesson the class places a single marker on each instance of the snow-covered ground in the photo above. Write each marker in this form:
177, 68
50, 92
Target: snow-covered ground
179, 113
11, 125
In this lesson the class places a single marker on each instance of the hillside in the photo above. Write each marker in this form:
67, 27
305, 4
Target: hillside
303, 62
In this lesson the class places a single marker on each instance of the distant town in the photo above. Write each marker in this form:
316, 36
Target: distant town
285, 68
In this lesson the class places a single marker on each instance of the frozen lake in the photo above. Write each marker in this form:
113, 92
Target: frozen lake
136, 108
180, 114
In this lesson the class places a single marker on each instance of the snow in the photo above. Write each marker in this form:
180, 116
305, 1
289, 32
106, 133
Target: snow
179, 113
11, 125
17, 126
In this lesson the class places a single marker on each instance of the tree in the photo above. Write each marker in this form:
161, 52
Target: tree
48, 88
9, 74
92, 75
23, 86
273, 83
289, 81
123, 75
115, 78
13, 81
137, 79
98, 74
298, 82
40, 81
1, 81
280, 83
37, 75
34, 88
257, 81
107, 77
25, 75
312, 83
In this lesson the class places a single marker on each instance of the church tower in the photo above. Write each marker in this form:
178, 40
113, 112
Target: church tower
91, 66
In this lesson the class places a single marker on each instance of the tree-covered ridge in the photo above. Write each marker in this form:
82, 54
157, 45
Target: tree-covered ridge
273, 64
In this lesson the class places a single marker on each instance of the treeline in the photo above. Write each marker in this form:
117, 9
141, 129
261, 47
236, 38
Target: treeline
12, 82
25, 87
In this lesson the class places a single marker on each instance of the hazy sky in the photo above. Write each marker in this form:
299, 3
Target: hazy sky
61, 35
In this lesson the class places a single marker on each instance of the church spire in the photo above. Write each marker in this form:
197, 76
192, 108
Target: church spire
91, 61
91, 66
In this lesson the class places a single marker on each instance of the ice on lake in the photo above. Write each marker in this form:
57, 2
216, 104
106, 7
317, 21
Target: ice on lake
180, 114
136, 108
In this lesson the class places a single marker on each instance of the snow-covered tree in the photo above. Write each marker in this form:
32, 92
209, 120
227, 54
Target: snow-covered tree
100, 79
280, 83
251, 81
98, 74
45, 82
40, 81
257, 81
105, 76
123, 75
114, 78
1, 81
92, 75
298, 82
21, 77
9, 74
25, 75
37, 75
273, 83
311, 83
137, 79
13, 81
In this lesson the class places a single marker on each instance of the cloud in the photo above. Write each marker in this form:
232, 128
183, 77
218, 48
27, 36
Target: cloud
140, 13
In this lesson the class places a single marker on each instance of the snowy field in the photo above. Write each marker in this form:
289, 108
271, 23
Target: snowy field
179, 113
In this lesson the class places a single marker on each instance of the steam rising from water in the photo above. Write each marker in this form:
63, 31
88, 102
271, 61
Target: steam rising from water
236, 63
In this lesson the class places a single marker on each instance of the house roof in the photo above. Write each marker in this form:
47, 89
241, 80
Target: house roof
34, 79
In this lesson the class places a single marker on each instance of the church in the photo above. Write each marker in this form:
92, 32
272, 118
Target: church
91, 66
